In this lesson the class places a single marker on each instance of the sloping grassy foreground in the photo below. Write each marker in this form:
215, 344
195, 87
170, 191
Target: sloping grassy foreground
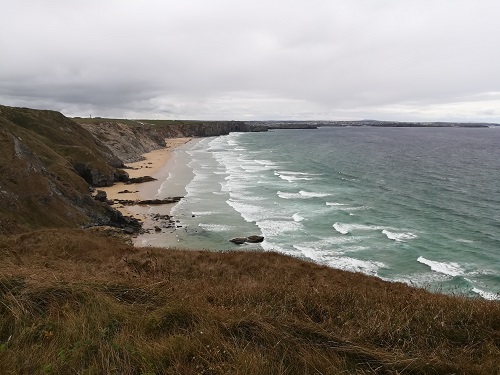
72, 302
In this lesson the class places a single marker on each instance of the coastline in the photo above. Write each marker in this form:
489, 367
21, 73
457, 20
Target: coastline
155, 164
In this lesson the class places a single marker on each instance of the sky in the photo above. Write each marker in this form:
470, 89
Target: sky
405, 60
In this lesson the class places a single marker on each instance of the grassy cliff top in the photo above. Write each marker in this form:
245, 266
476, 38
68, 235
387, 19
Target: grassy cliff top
71, 302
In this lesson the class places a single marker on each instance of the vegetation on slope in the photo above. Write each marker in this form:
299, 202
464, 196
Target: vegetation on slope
46, 166
74, 303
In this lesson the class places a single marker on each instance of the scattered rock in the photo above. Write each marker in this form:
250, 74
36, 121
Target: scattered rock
101, 196
138, 180
128, 202
159, 201
120, 175
157, 229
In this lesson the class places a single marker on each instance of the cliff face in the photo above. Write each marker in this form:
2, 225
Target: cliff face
129, 140
47, 163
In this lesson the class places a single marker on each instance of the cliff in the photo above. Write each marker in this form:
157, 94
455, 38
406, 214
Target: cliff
50, 164
129, 139
46, 166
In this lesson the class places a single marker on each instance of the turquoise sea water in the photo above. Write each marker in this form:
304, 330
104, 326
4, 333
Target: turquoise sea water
417, 205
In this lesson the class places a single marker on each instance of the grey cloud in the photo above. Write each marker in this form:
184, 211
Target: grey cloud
259, 59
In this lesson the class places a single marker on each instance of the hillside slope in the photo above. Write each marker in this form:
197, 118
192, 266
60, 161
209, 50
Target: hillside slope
71, 302
47, 164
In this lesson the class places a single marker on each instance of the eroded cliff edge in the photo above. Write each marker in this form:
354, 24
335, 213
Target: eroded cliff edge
129, 139
49, 164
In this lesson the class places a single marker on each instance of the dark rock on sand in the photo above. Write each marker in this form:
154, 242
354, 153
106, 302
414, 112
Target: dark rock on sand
138, 180
128, 202
101, 196
120, 175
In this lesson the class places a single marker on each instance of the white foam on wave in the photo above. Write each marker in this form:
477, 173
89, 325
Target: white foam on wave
336, 204
399, 237
277, 227
295, 178
249, 212
446, 268
244, 196
464, 240
487, 295
301, 195
285, 195
348, 228
345, 207
254, 168
341, 228
297, 217
254, 213
204, 213
215, 227
310, 194
292, 173
355, 208
423, 279
369, 267
200, 177
324, 248
267, 163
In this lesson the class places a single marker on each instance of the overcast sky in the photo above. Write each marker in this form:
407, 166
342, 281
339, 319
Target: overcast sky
253, 59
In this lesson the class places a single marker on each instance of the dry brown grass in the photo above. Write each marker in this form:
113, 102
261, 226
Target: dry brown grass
74, 303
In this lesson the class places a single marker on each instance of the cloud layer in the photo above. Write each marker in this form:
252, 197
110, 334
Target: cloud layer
274, 59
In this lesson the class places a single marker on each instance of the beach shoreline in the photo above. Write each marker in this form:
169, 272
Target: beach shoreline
156, 165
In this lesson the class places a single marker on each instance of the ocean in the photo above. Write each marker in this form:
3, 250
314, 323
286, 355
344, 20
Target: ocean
414, 205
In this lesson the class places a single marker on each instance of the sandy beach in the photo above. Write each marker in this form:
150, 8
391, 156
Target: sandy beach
154, 164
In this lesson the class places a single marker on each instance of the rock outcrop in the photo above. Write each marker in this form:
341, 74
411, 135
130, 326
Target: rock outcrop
249, 239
